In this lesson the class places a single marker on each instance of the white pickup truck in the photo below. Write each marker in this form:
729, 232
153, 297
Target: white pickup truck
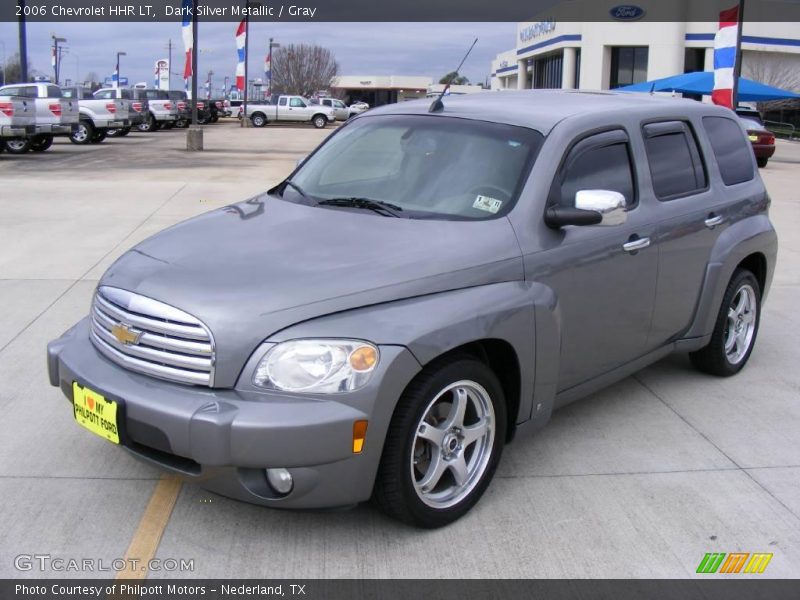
17, 120
160, 111
55, 115
97, 116
289, 108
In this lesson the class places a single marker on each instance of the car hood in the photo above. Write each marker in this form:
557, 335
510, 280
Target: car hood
251, 269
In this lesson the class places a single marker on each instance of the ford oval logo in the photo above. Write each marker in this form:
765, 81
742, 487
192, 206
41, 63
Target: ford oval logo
627, 12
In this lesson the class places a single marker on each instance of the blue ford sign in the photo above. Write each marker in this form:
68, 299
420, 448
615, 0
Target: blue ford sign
627, 12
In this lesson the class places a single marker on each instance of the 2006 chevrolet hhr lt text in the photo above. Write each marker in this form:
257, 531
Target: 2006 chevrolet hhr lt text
426, 284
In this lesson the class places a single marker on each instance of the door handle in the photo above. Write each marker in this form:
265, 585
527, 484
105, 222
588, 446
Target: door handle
637, 244
713, 220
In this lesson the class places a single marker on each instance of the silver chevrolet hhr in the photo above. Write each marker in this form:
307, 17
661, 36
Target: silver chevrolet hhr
426, 284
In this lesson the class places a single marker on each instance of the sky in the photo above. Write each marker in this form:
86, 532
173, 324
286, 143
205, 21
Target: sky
429, 49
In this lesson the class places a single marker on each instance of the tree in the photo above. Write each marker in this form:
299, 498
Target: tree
302, 69
11, 70
92, 81
773, 69
453, 78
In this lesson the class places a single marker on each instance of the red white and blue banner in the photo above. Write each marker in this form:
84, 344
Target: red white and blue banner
725, 43
188, 41
241, 37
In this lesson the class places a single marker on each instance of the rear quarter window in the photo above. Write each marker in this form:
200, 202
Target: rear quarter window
676, 168
731, 149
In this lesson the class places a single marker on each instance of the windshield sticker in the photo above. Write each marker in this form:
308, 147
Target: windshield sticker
487, 203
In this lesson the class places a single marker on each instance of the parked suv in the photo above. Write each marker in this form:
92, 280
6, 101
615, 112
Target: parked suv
426, 284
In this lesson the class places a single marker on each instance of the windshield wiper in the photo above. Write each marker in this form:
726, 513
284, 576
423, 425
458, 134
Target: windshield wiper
384, 208
299, 190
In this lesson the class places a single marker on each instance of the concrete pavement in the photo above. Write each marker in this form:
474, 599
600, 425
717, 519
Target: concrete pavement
640, 480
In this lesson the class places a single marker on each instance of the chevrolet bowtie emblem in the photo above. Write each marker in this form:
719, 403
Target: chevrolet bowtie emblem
125, 335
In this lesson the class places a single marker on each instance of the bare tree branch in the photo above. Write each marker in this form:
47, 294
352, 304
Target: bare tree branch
302, 69
773, 69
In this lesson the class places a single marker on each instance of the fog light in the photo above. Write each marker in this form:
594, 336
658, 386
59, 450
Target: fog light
280, 480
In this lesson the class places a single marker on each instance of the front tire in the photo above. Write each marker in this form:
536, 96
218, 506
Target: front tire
444, 443
320, 121
99, 136
735, 330
147, 125
83, 133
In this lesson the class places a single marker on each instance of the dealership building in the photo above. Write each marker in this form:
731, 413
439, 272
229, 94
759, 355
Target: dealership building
626, 44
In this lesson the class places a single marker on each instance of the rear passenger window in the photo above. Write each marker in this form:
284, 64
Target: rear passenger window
731, 149
600, 162
675, 165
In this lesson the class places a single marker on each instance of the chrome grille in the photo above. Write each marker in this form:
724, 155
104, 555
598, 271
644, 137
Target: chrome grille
151, 337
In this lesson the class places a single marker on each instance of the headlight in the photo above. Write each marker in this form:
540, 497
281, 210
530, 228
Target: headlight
318, 366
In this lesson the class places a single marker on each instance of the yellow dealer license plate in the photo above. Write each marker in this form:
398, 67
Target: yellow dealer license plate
95, 413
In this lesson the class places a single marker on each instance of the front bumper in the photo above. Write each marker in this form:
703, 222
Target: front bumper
225, 438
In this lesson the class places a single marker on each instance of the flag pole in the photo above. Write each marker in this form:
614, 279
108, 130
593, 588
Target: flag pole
737, 68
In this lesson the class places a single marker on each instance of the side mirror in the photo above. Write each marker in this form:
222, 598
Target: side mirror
592, 207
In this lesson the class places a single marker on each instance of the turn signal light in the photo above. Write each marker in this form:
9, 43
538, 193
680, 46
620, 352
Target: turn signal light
363, 358
359, 434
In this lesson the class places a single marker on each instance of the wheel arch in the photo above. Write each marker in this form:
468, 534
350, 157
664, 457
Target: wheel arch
750, 243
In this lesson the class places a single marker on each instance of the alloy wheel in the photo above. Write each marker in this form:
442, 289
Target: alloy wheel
741, 324
452, 444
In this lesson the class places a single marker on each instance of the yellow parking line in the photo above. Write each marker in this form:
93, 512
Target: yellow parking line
151, 527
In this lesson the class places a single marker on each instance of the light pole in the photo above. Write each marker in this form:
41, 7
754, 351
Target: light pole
56, 55
118, 77
225, 85
208, 85
23, 44
194, 135
269, 73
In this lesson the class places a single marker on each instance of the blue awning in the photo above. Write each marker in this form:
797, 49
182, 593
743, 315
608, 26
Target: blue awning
702, 82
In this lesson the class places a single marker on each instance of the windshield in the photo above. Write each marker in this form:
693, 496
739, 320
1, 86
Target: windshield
427, 166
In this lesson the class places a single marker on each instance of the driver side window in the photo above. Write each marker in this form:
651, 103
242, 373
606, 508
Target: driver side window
604, 165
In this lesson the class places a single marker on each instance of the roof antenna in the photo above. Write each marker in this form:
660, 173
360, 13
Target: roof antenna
437, 105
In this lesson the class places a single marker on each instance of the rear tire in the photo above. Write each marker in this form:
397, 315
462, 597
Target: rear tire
83, 133
735, 330
259, 119
761, 162
444, 443
18, 145
319, 121
41, 142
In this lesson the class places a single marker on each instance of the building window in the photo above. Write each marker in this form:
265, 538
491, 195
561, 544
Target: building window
547, 71
628, 65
